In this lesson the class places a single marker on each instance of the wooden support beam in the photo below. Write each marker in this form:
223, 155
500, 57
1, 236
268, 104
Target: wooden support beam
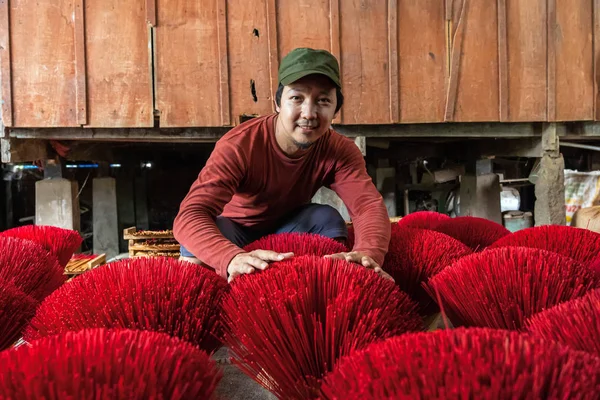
23, 150
491, 130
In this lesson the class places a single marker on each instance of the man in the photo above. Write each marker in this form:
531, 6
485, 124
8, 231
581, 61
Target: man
262, 174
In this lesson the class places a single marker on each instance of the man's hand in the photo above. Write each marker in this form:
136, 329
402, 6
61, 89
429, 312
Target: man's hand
362, 259
247, 263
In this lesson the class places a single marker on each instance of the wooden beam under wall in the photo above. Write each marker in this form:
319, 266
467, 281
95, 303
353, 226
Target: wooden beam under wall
502, 61
5, 64
271, 13
23, 150
394, 77
80, 69
551, 105
335, 39
223, 63
596, 55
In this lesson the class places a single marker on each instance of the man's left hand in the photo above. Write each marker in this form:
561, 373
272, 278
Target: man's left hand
362, 259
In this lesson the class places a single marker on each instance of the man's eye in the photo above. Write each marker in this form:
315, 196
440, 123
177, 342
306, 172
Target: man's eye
325, 101
295, 97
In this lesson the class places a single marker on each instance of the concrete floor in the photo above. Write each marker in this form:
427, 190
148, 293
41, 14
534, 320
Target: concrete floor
235, 385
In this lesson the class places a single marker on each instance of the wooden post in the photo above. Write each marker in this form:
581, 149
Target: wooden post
550, 183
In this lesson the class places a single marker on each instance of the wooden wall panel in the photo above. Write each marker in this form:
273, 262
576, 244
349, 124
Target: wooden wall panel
43, 63
188, 85
596, 55
118, 66
527, 59
5, 66
365, 61
303, 23
423, 59
477, 97
574, 60
250, 80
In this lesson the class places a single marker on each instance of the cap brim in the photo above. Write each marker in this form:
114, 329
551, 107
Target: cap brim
298, 75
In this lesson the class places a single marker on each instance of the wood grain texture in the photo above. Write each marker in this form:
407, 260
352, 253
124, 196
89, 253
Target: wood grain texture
502, 61
80, 70
43, 63
151, 12
394, 78
596, 33
422, 60
454, 39
119, 74
527, 59
365, 62
223, 62
336, 44
303, 23
273, 46
5, 65
249, 73
187, 63
574, 60
551, 61
478, 96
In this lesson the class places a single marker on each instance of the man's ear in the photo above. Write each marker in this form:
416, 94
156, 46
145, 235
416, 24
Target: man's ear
277, 108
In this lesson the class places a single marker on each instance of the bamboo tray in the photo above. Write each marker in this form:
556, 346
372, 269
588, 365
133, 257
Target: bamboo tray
79, 266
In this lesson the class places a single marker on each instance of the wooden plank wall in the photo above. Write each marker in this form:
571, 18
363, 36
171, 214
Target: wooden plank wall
188, 88
526, 65
477, 97
93, 64
42, 51
574, 60
249, 54
423, 60
119, 82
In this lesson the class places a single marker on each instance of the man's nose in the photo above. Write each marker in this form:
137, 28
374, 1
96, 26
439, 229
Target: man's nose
309, 110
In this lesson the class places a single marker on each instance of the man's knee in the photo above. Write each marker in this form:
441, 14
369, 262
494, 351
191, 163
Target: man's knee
328, 215
327, 221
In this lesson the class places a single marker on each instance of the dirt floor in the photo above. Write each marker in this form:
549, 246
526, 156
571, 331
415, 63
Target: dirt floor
235, 385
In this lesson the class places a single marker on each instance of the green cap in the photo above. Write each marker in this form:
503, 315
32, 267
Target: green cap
304, 61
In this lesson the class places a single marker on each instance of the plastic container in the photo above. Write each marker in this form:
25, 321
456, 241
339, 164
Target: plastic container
517, 220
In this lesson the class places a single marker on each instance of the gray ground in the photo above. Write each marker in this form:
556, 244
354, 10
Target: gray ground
235, 384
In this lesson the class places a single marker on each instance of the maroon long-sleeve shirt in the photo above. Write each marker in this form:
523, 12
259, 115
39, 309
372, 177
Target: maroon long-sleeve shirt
249, 179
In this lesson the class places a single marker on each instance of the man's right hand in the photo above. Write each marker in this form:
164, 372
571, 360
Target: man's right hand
247, 263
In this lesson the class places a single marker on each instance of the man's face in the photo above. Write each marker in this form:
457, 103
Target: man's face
307, 109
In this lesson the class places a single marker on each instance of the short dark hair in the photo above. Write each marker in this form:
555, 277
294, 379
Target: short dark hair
338, 94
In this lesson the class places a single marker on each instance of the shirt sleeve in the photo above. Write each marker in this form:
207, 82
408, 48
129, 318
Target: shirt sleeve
194, 226
364, 202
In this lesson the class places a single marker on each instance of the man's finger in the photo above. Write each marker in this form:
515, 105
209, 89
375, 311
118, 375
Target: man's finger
251, 262
337, 256
268, 255
384, 274
232, 276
